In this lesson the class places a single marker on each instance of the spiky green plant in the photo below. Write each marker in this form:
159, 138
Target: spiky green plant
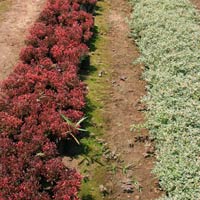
75, 126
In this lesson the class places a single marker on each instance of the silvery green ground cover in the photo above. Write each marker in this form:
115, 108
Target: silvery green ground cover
167, 33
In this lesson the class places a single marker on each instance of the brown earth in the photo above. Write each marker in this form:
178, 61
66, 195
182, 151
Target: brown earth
123, 109
13, 29
196, 3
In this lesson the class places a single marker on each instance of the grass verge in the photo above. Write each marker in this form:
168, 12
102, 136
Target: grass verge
93, 165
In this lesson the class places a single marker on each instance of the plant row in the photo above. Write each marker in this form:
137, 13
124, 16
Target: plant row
43, 88
167, 33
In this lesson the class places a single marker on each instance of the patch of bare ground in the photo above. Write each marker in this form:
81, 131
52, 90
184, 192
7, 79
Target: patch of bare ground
196, 3
13, 29
132, 178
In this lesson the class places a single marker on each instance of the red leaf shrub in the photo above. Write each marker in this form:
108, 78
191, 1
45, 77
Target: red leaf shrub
30, 170
44, 85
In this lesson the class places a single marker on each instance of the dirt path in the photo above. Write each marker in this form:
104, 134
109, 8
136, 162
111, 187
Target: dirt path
132, 178
13, 29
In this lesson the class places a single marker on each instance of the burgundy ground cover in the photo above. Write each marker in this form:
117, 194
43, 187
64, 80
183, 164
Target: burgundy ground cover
44, 85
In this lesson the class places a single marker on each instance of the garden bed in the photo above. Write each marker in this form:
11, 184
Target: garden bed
41, 103
168, 35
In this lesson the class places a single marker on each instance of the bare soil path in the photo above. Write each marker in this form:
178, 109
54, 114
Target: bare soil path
13, 29
133, 178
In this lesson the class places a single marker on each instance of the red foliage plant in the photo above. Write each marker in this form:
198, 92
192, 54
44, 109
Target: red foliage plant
43, 86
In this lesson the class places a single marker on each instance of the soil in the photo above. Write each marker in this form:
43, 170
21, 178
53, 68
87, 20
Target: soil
123, 109
13, 29
196, 3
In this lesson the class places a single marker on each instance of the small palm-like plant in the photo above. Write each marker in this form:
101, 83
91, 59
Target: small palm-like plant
74, 126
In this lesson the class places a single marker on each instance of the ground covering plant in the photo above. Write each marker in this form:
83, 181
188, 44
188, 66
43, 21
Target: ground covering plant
167, 33
43, 89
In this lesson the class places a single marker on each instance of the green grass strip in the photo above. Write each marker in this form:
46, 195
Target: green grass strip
167, 33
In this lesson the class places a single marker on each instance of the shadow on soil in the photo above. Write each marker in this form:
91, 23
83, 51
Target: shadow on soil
87, 197
70, 147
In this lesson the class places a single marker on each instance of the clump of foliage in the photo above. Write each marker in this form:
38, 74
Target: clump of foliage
43, 87
167, 33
